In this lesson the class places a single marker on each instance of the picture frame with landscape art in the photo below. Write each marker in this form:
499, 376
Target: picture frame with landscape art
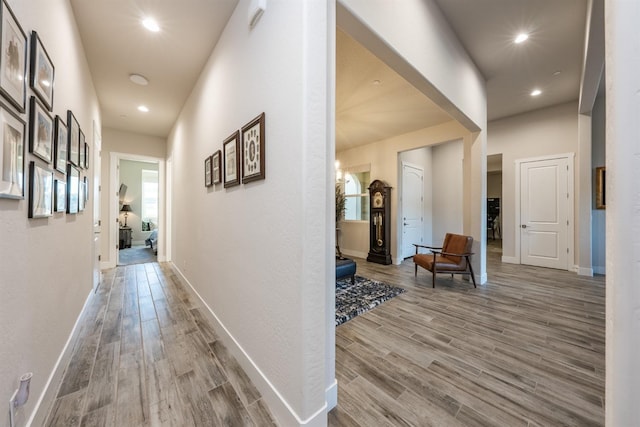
73, 130
231, 160
217, 167
12, 153
40, 131
60, 196
253, 150
73, 189
40, 191
13, 58
42, 71
61, 145
601, 181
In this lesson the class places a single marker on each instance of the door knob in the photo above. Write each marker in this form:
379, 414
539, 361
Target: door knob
406, 223
524, 226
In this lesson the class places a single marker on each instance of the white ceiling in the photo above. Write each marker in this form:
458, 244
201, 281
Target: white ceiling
117, 45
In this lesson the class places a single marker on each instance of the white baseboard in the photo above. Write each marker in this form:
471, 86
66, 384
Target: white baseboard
481, 278
599, 269
105, 265
510, 260
584, 271
279, 407
356, 254
48, 396
331, 395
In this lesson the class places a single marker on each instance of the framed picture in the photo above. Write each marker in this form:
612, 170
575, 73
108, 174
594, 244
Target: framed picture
253, 150
83, 154
60, 146
217, 166
231, 160
13, 58
60, 196
12, 140
40, 191
41, 131
82, 201
601, 191
73, 189
86, 155
207, 172
42, 71
86, 189
74, 139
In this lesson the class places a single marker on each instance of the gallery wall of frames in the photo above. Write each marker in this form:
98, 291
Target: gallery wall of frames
56, 181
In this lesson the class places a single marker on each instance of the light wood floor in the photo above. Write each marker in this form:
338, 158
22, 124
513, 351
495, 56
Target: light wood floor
146, 356
526, 349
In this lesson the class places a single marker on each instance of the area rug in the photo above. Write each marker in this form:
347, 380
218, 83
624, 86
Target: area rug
366, 294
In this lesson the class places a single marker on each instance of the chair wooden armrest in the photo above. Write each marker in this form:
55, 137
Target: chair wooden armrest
424, 246
452, 254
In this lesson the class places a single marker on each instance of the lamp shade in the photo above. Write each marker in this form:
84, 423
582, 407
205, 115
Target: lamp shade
126, 208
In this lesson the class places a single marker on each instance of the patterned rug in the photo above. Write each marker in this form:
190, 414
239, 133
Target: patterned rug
353, 300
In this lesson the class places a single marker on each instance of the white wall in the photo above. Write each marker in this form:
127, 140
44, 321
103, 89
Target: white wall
598, 158
542, 132
260, 254
116, 141
45, 264
447, 190
131, 175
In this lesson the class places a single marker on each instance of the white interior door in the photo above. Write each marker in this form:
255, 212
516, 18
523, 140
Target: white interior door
544, 220
412, 208
97, 222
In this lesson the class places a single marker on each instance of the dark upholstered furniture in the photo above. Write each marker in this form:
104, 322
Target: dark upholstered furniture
346, 267
452, 258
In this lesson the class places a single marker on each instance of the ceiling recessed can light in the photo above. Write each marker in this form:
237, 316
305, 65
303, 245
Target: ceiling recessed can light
139, 79
376, 82
557, 73
151, 24
143, 108
536, 92
521, 37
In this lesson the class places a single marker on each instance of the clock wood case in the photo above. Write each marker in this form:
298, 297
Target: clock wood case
379, 226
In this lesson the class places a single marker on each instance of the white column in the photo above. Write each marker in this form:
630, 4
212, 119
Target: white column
475, 199
622, 38
583, 199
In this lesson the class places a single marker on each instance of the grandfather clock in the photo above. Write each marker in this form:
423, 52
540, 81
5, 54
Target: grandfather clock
379, 223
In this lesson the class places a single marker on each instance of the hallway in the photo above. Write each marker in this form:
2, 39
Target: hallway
145, 355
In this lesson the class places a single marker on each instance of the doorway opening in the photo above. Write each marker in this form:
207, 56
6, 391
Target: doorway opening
494, 206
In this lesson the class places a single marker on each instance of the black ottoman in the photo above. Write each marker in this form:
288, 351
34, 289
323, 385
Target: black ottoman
346, 267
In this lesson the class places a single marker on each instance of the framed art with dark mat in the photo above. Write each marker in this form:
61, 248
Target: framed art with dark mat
42, 71
253, 150
13, 58
231, 160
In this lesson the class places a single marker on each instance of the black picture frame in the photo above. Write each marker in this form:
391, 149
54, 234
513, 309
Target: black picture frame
253, 147
86, 155
61, 145
42, 71
40, 191
82, 195
13, 58
216, 166
231, 147
60, 196
12, 143
208, 181
83, 159
73, 189
601, 186
41, 131
73, 128
86, 188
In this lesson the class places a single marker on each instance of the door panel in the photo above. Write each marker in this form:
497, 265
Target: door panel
412, 208
544, 213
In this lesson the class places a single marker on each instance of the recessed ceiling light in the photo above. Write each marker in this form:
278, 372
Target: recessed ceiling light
536, 92
151, 24
376, 82
521, 37
139, 79
557, 73
143, 108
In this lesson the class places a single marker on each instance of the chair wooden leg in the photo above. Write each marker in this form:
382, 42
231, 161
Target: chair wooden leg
473, 276
434, 278
416, 273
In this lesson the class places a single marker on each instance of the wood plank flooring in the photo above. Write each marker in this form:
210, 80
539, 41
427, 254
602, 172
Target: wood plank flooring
526, 349
145, 355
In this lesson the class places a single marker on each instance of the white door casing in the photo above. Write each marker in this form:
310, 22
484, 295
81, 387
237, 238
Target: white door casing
544, 222
412, 208
97, 223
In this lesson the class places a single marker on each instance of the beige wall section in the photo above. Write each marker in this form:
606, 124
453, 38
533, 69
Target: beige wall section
383, 157
116, 141
45, 264
543, 132
131, 175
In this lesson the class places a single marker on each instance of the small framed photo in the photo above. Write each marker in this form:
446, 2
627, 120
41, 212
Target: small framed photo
253, 150
86, 155
13, 58
74, 139
73, 189
12, 140
42, 71
82, 193
601, 184
207, 172
60, 146
40, 191
59, 196
83, 154
231, 160
41, 131
86, 189
217, 167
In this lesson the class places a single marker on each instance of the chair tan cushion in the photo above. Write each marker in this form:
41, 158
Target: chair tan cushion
443, 264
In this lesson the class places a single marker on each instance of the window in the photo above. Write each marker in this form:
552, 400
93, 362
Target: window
150, 197
357, 195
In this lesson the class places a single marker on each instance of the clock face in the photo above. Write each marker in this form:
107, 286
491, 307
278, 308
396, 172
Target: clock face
378, 200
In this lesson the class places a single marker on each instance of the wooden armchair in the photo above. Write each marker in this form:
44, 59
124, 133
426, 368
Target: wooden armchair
451, 258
